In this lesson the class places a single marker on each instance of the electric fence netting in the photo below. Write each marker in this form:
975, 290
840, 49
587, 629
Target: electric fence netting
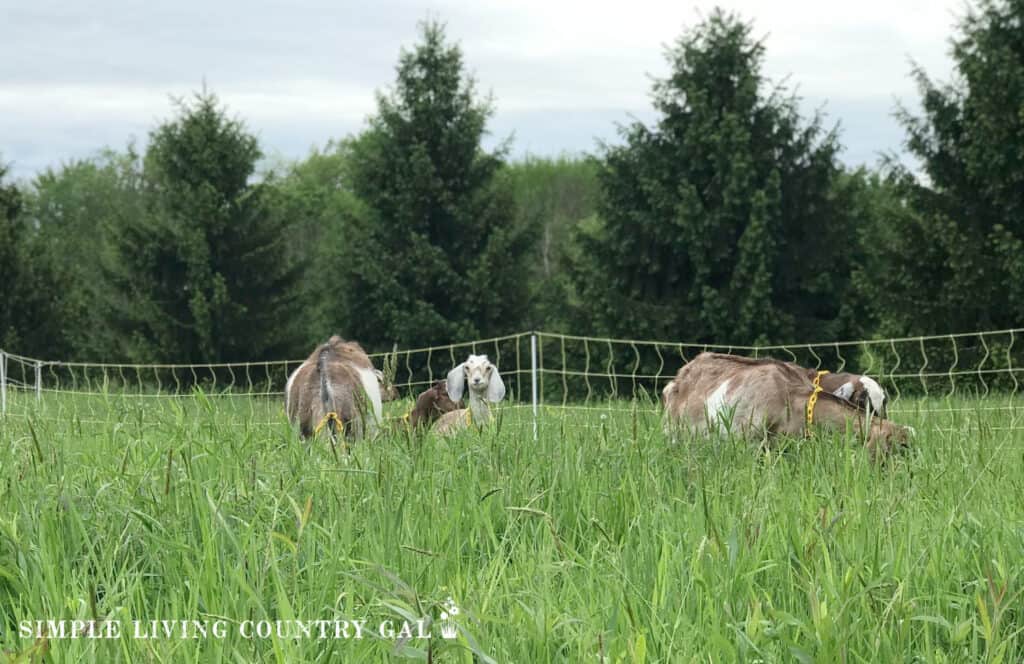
954, 382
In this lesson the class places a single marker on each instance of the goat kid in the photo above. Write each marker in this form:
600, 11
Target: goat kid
485, 386
431, 404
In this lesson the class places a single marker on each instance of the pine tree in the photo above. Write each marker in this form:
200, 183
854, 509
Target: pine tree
202, 274
437, 255
952, 257
721, 222
752, 278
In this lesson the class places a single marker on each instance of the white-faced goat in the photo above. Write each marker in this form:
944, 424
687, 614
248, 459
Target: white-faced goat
485, 386
760, 398
335, 388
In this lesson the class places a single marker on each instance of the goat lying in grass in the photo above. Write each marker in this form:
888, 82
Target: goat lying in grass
431, 404
760, 398
337, 380
485, 386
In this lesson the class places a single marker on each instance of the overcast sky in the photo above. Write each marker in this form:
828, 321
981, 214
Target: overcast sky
76, 77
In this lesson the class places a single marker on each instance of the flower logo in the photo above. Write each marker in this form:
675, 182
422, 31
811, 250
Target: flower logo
449, 610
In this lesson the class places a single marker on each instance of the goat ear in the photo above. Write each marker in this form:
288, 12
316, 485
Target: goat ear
845, 391
456, 382
496, 387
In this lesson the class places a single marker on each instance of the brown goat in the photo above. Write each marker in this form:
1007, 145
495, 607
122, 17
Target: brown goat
759, 398
431, 404
339, 378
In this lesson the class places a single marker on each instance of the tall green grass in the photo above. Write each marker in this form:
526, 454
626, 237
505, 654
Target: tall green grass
598, 542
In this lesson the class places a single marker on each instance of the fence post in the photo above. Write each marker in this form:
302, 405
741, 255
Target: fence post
533, 380
39, 380
3, 383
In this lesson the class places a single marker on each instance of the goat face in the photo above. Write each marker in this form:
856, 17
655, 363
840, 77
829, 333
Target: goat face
482, 377
901, 437
891, 438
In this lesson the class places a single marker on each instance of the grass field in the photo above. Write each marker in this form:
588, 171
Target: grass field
598, 542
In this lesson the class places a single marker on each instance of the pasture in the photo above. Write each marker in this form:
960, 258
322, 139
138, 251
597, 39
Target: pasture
598, 542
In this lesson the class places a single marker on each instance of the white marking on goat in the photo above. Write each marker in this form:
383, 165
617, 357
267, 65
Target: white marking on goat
368, 377
845, 390
715, 405
875, 393
288, 389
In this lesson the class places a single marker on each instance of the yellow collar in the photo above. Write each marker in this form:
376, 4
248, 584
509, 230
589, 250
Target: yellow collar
813, 400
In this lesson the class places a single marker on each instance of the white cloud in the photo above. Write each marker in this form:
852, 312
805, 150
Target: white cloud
81, 77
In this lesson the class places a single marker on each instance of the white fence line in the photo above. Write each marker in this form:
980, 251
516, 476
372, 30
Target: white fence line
533, 380
561, 370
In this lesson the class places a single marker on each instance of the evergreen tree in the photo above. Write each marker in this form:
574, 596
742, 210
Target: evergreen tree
949, 256
203, 273
721, 222
437, 255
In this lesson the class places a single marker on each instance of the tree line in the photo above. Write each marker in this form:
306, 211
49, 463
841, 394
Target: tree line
729, 219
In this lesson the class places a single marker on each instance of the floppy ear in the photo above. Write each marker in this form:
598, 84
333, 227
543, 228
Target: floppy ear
496, 387
456, 382
845, 391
